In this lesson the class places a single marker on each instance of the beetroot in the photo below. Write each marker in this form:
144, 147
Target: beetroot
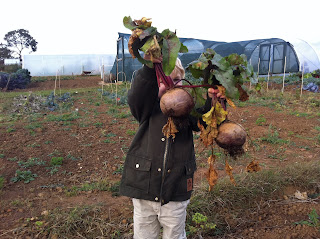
231, 137
176, 102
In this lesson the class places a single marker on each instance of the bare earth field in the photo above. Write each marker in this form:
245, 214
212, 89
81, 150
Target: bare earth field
94, 151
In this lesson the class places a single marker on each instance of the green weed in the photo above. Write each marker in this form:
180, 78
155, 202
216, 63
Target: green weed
33, 126
261, 120
10, 130
56, 161
63, 117
131, 132
2, 180
98, 125
31, 162
25, 176
13, 159
200, 225
33, 145
314, 220
273, 137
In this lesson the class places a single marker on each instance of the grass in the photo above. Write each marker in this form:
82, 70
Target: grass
251, 188
273, 137
101, 185
80, 222
225, 199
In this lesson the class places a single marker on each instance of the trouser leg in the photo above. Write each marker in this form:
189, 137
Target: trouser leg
172, 218
145, 220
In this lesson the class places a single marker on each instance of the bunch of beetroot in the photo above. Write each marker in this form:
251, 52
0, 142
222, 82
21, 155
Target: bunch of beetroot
226, 73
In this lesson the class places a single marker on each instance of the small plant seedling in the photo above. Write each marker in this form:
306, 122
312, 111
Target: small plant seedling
314, 220
261, 120
25, 176
201, 224
1, 182
56, 161
13, 159
98, 124
131, 132
31, 162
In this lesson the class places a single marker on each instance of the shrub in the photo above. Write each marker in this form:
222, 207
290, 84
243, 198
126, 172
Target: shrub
3, 79
20, 79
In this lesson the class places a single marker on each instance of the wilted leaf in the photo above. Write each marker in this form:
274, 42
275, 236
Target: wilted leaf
152, 48
144, 22
208, 134
230, 102
128, 23
211, 175
209, 116
220, 113
169, 129
243, 94
253, 166
134, 45
229, 169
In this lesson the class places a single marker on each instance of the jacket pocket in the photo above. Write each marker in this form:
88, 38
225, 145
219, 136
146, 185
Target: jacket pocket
138, 173
190, 167
186, 182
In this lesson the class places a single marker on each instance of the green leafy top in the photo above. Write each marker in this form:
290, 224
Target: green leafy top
230, 71
146, 38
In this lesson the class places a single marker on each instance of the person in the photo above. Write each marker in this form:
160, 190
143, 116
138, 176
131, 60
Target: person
158, 171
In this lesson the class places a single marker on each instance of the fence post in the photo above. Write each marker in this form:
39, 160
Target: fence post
284, 73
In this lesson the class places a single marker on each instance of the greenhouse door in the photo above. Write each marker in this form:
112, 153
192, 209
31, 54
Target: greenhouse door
274, 53
279, 52
264, 56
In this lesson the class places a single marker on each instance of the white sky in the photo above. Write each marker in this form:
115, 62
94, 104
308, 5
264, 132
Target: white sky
91, 27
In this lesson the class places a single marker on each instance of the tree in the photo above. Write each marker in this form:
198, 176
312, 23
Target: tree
19, 40
5, 52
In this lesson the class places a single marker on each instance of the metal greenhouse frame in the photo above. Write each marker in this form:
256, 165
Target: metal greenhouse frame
267, 56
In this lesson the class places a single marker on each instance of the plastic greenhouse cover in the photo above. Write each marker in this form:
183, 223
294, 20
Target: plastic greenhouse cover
309, 59
50, 65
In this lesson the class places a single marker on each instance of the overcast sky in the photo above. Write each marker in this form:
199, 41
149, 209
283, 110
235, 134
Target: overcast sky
91, 27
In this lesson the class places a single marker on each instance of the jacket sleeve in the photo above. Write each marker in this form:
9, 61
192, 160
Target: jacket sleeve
143, 93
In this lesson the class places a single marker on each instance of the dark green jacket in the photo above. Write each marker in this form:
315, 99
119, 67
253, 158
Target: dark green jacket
156, 168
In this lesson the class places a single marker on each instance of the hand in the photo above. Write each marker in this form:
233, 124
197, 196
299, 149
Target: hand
212, 93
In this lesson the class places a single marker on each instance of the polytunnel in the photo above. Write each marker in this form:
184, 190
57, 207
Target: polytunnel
272, 55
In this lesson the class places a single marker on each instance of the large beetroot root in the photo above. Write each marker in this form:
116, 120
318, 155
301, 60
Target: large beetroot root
231, 137
176, 102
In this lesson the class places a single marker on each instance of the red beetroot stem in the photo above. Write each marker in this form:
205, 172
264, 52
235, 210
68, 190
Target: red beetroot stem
166, 80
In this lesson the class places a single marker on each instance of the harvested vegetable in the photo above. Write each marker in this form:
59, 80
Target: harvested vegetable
227, 74
231, 137
176, 102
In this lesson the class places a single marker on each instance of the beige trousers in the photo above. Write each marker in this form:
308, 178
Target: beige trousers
148, 217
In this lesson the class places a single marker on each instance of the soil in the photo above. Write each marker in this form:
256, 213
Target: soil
91, 158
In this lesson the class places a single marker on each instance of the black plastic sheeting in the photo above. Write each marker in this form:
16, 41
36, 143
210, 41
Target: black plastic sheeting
273, 56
